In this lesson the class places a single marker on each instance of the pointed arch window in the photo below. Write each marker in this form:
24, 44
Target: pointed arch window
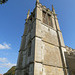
44, 16
47, 18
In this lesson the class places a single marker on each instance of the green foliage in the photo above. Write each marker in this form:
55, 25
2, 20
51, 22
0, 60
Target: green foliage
11, 71
3, 1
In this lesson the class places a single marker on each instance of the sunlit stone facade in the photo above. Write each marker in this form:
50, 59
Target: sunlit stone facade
42, 46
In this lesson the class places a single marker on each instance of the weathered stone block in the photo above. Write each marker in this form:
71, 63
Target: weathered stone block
52, 55
38, 49
47, 34
38, 69
47, 53
49, 70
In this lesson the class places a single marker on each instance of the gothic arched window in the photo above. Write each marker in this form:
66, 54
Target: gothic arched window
47, 18
44, 17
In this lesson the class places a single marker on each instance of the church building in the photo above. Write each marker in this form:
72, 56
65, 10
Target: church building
42, 50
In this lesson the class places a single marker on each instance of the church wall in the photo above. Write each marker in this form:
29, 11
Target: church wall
49, 70
47, 34
28, 59
18, 72
52, 55
41, 69
38, 70
47, 53
29, 70
70, 58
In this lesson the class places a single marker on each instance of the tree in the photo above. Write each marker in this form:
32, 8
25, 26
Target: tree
11, 71
3, 1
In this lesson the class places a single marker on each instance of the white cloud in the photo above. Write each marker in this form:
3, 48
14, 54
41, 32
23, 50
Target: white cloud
3, 60
4, 63
7, 65
10, 65
5, 46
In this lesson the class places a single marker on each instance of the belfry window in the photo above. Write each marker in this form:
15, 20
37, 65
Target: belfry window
44, 17
47, 18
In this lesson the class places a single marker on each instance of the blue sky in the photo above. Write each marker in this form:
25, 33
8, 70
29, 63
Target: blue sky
12, 20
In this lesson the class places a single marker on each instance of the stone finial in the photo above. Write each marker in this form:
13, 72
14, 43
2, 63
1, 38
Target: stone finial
28, 14
37, 1
53, 9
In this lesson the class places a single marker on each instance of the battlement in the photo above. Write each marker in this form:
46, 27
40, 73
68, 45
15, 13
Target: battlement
41, 10
70, 59
43, 7
70, 51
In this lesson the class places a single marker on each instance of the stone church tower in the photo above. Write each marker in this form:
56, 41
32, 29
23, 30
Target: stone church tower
42, 46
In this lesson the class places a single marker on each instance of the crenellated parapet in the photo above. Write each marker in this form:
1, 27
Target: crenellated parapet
70, 59
70, 51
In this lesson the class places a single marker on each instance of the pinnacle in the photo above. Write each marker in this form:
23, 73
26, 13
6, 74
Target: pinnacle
37, 1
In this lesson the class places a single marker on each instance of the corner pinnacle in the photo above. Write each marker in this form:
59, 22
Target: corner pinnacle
28, 14
53, 9
37, 1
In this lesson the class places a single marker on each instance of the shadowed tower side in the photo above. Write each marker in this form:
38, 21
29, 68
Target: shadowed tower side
42, 46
